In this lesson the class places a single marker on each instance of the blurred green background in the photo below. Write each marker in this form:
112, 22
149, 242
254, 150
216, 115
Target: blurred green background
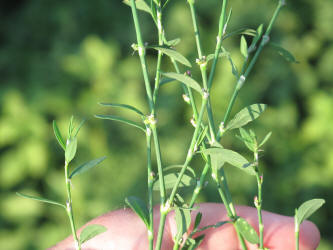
59, 58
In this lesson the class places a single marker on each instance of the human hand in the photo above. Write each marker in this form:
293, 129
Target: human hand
126, 231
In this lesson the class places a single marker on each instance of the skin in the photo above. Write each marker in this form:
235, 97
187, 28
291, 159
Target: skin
127, 231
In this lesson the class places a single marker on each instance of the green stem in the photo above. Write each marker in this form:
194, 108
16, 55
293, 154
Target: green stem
69, 208
150, 176
152, 124
242, 78
258, 202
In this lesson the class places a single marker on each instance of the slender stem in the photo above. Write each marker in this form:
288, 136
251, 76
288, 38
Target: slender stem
258, 201
242, 78
69, 208
150, 176
297, 240
141, 49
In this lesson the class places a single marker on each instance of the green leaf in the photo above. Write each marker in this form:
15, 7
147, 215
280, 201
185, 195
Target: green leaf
218, 224
90, 232
170, 178
307, 209
233, 158
139, 207
248, 140
233, 66
184, 79
125, 106
246, 115
79, 127
120, 119
265, 139
140, 5
172, 42
227, 20
86, 166
183, 221
197, 221
172, 54
243, 47
166, 80
221, 54
57, 134
257, 37
284, 53
242, 31
247, 231
41, 199
71, 147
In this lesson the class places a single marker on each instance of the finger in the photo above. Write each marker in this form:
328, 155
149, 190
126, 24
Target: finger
127, 231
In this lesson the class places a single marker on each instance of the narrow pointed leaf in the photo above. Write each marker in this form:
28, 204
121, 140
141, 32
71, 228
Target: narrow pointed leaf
173, 54
218, 224
265, 139
71, 147
90, 232
247, 231
308, 208
120, 119
257, 37
86, 166
232, 64
183, 220
197, 221
140, 5
79, 127
139, 207
227, 20
231, 157
184, 79
41, 199
242, 31
57, 134
246, 115
221, 54
119, 105
284, 53
243, 47
248, 140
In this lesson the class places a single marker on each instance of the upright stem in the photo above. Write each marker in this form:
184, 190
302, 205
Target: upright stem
69, 208
258, 202
150, 175
152, 118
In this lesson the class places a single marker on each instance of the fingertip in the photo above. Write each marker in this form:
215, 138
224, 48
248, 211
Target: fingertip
309, 235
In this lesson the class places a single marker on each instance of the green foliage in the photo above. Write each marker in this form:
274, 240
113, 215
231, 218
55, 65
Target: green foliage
247, 231
90, 232
307, 209
139, 207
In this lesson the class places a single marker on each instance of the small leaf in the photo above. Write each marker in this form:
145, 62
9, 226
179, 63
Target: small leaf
242, 31
221, 54
308, 208
140, 5
257, 37
184, 79
248, 140
284, 53
139, 207
231, 157
120, 119
79, 127
57, 134
197, 221
166, 80
86, 166
119, 105
71, 147
247, 231
246, 115
243, 47
183, 221
172, 54
172, 42
41, 199
265, 139
171, 174
192, 244
218, 224
233, 66
90, 232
